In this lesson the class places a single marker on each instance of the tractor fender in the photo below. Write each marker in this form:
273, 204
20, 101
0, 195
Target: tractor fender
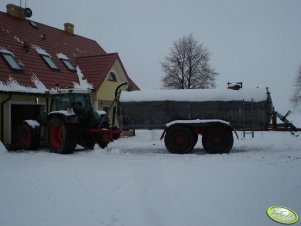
68, 117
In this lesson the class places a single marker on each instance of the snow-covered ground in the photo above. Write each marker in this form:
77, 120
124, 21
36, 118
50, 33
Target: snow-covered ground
136, 182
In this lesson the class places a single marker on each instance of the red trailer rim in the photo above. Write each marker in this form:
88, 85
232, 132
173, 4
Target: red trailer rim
180, 140
217, 139
25, 137
56, 135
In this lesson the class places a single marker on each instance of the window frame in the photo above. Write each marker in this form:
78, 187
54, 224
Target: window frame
45, 58
112, 77
12, 64
68, 65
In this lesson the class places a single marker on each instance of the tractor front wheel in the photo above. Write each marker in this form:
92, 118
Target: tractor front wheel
60, 136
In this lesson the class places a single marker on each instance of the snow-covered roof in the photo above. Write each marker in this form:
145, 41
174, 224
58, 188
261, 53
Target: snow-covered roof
26, 43
195, 95
13, 86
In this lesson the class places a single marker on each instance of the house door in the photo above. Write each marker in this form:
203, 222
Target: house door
19, 113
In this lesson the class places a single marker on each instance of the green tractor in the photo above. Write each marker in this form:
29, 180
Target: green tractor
69, 120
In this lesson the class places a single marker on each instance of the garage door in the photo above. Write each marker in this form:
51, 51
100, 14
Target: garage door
19, 113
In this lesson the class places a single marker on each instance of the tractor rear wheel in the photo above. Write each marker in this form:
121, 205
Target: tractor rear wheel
179, 140
60, 136
217, 139
30, 137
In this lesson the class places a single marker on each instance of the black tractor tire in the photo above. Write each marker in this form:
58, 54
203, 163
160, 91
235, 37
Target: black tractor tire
30, 137
196, 138
179, 140
60, 136
217, 139
102, 145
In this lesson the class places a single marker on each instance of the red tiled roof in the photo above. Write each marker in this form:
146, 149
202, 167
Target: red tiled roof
96, 68
15, 32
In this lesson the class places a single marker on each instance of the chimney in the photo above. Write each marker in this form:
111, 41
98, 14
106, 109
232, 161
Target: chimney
69, 28
15, 11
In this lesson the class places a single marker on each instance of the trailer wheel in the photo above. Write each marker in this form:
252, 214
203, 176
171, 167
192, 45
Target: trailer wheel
30, 137
179, 140
217, 139
195, 137
60, 137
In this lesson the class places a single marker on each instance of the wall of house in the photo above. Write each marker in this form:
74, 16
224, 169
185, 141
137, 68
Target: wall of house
106, 93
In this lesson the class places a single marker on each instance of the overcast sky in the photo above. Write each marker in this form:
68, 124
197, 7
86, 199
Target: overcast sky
257, 42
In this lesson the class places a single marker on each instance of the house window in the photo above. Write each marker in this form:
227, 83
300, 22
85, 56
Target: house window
68, 65
49, 62
112, 77
11, 61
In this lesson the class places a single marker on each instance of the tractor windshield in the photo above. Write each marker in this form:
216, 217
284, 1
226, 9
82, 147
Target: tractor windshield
69, 100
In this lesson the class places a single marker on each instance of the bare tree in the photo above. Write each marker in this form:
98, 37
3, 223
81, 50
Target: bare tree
296, 98
187, 66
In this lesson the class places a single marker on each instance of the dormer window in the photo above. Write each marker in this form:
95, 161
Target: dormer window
49, 62
112, 77
11, 61
66, 62
68, 65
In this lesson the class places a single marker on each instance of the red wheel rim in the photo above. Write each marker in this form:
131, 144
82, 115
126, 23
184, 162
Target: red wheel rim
25, 137
217, 139
56, 135
180, 140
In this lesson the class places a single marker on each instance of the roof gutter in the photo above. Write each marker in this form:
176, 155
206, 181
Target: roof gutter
2, 114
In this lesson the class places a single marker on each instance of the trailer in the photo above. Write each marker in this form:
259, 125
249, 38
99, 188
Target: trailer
185, 114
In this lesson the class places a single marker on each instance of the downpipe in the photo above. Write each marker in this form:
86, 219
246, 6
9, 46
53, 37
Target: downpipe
2, 114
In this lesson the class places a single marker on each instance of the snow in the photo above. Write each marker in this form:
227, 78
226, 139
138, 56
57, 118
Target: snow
83, 83
135, 181
2, 147
62, 56
69, 112
195, 121
3, 50
193, 95
13, 86
40, 50
32, 123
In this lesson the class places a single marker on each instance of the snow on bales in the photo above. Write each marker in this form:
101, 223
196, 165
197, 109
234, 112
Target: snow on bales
195, 95
82, 82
